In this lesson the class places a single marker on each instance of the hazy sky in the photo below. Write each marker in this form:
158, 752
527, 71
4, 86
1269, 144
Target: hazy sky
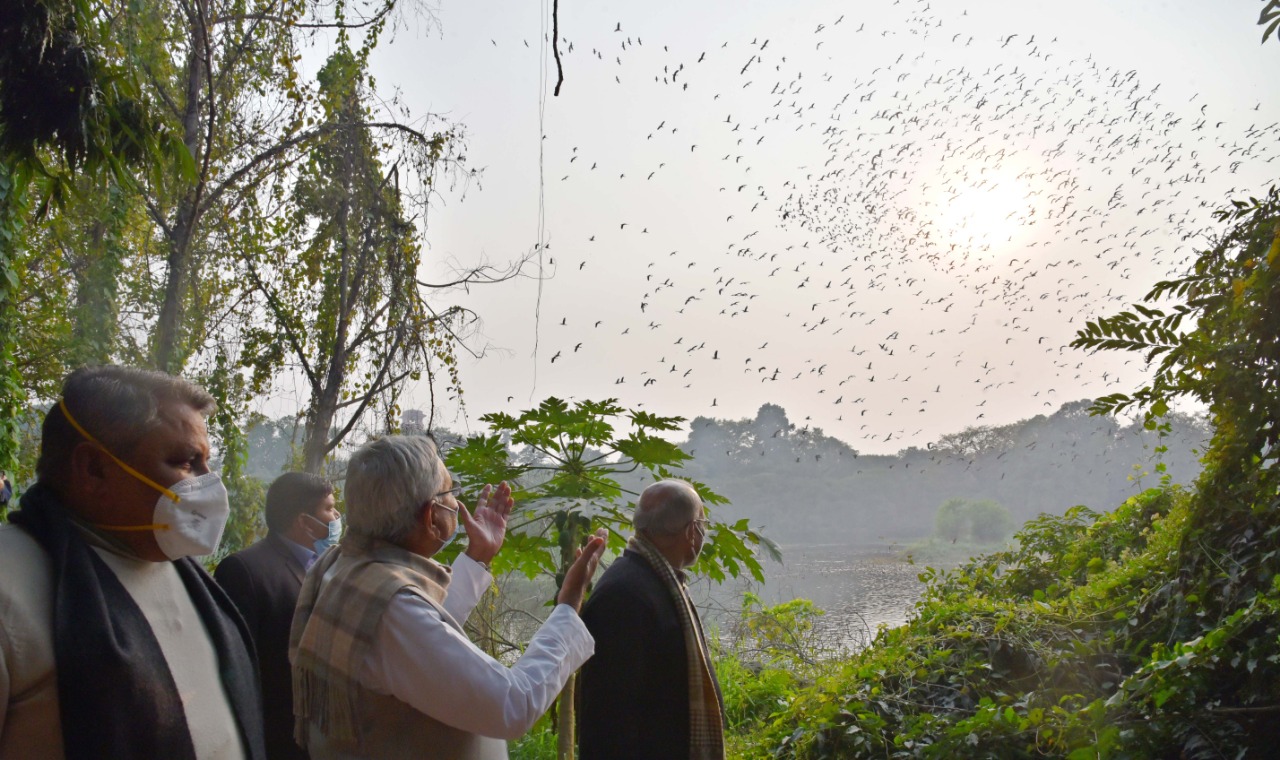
888, 217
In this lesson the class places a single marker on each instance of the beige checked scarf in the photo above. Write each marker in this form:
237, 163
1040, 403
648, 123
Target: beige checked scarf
336, 620
706, 713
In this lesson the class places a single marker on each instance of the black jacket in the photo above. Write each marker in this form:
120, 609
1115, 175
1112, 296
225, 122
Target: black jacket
264, 581
635, 689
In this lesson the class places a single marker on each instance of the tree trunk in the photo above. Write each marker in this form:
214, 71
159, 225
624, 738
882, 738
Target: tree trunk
324, 400
566, 717
164, 347
165, 351
316, 447
96, 314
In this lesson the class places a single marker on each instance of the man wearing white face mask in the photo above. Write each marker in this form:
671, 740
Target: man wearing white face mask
264, 580
114, 642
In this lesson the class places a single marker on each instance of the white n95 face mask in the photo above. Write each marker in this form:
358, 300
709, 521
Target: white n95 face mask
196, 520
190, 516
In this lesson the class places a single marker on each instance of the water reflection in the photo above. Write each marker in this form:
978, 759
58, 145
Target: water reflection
860, 588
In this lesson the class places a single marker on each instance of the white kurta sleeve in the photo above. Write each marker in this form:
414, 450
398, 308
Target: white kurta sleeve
419, 659
467, 584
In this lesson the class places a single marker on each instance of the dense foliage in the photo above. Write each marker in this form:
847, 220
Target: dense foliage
176, 193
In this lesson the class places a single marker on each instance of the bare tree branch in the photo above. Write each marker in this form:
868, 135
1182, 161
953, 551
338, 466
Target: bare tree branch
298, 139
484, 274
294, 23
364, 404
555, 45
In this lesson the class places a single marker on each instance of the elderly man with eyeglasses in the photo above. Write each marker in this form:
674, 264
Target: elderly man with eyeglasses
381, 667
650, 692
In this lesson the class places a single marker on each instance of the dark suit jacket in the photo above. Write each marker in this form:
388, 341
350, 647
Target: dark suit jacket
635, 688
264, 581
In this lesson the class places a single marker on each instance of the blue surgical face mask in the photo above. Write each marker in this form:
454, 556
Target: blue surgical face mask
335, 533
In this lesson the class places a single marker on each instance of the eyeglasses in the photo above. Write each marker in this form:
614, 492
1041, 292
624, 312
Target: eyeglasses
703, 525
455, 492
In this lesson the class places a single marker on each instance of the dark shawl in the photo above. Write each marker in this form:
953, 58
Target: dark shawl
116, 695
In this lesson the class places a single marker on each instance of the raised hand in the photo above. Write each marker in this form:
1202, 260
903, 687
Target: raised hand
582, 570
487, 527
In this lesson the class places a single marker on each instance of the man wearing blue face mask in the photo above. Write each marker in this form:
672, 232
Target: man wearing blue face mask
264, 580
114, 642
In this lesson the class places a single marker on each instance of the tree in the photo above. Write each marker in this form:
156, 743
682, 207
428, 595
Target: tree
1222, 594
951, 523
187, 122
67, 106
989, 521
341, 291
225, 73
983, 520
573, 477
976, 441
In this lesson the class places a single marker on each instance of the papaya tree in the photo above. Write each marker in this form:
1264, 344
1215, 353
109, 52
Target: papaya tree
577, 467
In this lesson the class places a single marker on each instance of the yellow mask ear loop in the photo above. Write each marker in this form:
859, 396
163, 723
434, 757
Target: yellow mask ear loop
167, 492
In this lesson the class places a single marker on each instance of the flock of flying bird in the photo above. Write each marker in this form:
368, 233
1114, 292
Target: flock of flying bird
942, 217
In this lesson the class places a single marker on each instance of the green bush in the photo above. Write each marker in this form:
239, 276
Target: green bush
538, 744
1014, 654
771, 654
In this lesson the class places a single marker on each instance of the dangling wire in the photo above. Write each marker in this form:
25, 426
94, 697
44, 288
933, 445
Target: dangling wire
542, 192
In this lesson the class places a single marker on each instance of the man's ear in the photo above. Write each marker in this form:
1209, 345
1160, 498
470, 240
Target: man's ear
88, 467
425, 522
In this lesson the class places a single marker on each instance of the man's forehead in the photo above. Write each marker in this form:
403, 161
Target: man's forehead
184, 423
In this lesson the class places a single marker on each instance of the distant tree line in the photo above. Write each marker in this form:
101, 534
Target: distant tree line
803, 486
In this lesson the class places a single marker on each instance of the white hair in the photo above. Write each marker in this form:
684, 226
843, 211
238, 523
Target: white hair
387, 480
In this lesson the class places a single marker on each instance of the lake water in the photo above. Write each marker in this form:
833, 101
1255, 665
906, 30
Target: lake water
859, 587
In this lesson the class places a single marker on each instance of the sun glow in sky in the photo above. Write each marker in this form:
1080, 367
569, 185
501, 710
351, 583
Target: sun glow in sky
989, 216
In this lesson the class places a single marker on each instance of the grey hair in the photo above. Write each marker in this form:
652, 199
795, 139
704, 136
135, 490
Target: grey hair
387, 480
666, 507
116, 405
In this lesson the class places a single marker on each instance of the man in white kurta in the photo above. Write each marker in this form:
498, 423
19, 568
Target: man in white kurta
109, 647
381, 665
416, 654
